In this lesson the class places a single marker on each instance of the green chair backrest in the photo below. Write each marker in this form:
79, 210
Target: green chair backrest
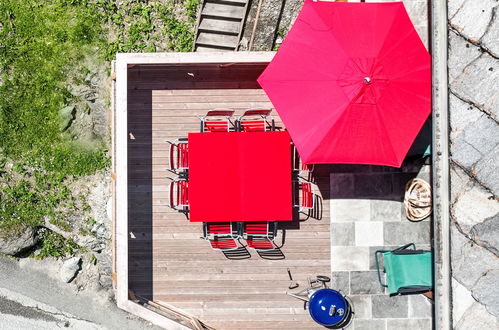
408, 270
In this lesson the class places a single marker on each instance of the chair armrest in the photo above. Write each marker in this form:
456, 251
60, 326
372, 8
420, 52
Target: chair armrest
377, 266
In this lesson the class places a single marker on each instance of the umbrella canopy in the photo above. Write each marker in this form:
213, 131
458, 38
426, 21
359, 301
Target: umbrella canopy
351, 82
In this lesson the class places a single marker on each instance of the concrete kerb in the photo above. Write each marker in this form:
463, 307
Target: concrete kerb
440, 154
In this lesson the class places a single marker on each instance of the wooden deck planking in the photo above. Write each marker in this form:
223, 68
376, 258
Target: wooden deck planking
167, 259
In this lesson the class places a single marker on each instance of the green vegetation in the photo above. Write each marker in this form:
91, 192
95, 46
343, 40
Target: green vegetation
54, 245
42, 51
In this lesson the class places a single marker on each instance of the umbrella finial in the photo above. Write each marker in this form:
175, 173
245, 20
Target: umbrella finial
367, 80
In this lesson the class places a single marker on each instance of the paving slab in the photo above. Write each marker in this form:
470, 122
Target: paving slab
365, 283
384, 306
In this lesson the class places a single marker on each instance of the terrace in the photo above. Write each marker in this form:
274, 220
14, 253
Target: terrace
166, 272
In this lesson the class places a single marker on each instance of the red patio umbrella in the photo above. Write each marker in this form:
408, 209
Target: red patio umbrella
351, 82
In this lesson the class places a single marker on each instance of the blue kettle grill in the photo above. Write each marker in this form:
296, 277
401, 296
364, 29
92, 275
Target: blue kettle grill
326, 306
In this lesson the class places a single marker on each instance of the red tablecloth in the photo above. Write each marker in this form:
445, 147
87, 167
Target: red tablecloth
240, 177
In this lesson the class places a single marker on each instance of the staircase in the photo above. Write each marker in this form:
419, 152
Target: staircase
220, 24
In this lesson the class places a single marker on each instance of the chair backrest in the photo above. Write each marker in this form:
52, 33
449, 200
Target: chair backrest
179, 198
220, 229
216, 120
254, 120
179, 156
260, 229
306, 197
257, 112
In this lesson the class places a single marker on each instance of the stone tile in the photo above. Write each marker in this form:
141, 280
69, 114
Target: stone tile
343, 233
376, 185
368, 233
386, 210
340, 281
361, 306
462, 300
460, 182
401, 233
347, 210
473, 18
477, 317
365, 283
491, 38
478, 83
487, 233
384, 306
462, 115
473, 207
341, 185
369, 324
419, 306
419, 324
486, 170
461, 53
485, 291
349, 258
469, 261
464, 153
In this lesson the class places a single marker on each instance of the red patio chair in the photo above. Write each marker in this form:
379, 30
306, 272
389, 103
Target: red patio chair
216, 120
260, 235
179, 198
179, 157
255, 120
221, 235
306, 196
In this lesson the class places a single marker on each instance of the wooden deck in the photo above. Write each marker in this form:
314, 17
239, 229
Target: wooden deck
168, 262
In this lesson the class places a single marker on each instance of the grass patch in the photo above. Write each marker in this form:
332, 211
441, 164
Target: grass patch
43, 43
55, 245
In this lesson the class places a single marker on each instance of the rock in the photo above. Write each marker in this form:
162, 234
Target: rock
469, 261
486, 291
463, 300
66, 117
473, 207
487, 233
476, 140
473, 18
486, 170
478, 84
461, 53
13, 245
491, 39
462, 115
477, 317
460, 182
69, 269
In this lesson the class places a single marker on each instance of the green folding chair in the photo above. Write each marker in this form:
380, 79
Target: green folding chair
407, 270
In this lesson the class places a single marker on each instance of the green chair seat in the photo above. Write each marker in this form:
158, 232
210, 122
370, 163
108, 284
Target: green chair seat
407, 270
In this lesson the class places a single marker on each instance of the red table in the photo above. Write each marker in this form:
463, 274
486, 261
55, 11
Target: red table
240, 176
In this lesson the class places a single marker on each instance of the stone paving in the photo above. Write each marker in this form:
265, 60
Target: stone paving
474, 146
367, 214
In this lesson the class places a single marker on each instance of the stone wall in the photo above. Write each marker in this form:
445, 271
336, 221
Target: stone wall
474, 147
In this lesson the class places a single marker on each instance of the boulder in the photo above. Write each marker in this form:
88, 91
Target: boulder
13, 245
66, 117
69, 269
486, 291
